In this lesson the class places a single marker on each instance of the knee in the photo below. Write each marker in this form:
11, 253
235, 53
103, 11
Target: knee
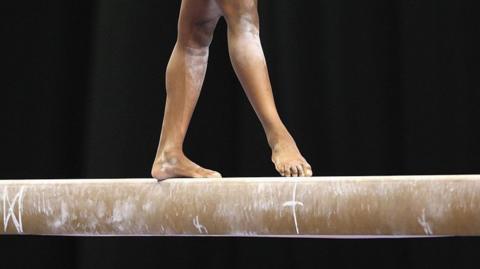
196, 37
242, 16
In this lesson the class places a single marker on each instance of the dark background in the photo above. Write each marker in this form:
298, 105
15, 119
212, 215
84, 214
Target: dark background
366, 87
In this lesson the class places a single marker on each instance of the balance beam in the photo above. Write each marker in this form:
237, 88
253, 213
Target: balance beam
363, 206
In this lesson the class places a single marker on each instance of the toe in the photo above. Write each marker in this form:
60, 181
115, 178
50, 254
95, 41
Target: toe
288, 172
283, 170
211, 173
294, 170
279, 169
301, 171
215, 174
308, 170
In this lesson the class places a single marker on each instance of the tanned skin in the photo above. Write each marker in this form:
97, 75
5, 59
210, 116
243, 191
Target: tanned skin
184, 79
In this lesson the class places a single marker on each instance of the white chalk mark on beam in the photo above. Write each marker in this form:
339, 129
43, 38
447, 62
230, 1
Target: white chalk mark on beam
199, 226
424, 223
9, 213
293, 204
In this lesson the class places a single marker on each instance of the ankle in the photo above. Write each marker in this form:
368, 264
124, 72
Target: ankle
277, 135
169, 154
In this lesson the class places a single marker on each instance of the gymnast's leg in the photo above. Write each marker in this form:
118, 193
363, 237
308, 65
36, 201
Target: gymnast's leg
249, 63
184, 78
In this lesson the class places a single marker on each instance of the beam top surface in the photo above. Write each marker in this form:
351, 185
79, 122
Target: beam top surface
379, 178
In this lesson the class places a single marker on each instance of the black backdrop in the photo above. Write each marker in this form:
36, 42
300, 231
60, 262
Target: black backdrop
366, 87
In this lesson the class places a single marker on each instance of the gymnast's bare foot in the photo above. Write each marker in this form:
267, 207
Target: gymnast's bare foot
288, 160
176, 164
